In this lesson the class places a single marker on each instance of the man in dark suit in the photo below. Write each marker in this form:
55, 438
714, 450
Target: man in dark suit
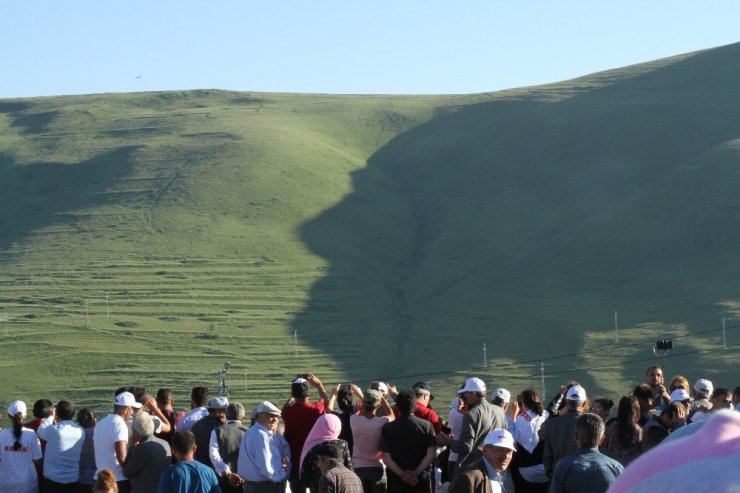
489, 473
147, 459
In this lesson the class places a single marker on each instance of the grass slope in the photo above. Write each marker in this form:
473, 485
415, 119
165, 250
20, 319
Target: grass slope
148, 238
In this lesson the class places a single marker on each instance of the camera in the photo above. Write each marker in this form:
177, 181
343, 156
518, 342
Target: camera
664, 345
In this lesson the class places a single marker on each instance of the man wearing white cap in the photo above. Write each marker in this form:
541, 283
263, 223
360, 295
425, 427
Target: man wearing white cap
489, 474
558, 434
264, 461
111, 439
482, 417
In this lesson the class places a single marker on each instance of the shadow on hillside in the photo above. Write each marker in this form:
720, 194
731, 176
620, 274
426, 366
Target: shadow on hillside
38, 195
526, 221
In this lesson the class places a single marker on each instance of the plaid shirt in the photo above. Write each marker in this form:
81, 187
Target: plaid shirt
339, 479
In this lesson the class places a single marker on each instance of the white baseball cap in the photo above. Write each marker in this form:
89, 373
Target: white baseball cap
473, 384
704, 386
576, 393
16, 407
126, 399
502, 394
680, 395
500, 438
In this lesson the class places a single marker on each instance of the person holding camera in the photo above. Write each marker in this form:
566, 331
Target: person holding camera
654, 378
366, 428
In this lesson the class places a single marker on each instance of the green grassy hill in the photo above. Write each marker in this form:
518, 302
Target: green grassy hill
147, 238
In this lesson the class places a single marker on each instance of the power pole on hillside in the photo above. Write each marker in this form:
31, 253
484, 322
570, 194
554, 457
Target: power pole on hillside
107, 307
616, 325
724, 334
295, 343
542, 376
485, 361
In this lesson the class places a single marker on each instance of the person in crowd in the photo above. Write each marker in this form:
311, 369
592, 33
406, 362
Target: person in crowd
703, 390
335, 477
655, 380
502, 398
110, 439
160, 421
105, 483
187, 474
264, 463
299, 415
147, 458
202, 428
342, 395
482, 417
20, 450
165, 402
557, 434
387, 391
659, 427
680, 395
489, 473
710, 450
408, 446
423, 398
64, 439
644, 395
198, 411
588, 470
602, 408
366, 428
721, 399
41, 410
529, 469
458, 408
87, 420
624, 439
736, 398
223, 447
556, 406
679, 382
325, 430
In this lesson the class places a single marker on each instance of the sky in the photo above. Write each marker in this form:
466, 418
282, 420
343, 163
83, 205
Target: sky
342, 47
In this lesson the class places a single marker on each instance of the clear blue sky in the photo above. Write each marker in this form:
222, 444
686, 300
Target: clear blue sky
372, 46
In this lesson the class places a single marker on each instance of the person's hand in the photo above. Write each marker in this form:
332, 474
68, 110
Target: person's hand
514, 409
392, 390
335, 389
357, 391
313, 380
150, 402
409, 478
235, 480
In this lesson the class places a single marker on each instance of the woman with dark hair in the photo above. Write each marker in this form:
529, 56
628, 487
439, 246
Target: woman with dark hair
624, 437
20, 450
602, 407
86, 419
528, 469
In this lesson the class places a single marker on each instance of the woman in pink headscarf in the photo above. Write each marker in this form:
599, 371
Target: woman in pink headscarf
326, 429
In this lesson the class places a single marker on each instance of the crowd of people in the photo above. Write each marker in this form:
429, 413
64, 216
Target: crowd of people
381, 440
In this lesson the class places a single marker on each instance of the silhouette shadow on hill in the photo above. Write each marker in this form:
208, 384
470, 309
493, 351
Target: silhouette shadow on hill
525, 221
38, 195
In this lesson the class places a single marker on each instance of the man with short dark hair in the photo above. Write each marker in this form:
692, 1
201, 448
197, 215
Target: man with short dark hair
557, 433
335, 478
654, 378
64, 439
489, 474
187, 474
148, 457
198, 399
408, 447
588, 470
659, 427
299, 415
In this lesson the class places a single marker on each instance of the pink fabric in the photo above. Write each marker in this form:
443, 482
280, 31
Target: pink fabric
718, 439
326, 428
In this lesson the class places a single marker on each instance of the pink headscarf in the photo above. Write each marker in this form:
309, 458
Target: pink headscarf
326, 428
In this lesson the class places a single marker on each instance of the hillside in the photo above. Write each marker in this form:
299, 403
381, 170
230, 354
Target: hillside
147, 238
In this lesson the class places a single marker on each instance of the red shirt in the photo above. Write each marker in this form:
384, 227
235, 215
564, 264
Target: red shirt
299, 418
423, 412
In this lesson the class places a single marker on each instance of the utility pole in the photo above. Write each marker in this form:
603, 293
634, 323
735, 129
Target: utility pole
542, 376
485, 361
616, 325
295, 343
724, 334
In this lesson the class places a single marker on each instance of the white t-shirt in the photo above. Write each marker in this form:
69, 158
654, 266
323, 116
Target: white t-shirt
108, 431
366, 438
17, 472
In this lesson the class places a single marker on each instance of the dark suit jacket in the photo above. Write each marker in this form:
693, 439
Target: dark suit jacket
145, 462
